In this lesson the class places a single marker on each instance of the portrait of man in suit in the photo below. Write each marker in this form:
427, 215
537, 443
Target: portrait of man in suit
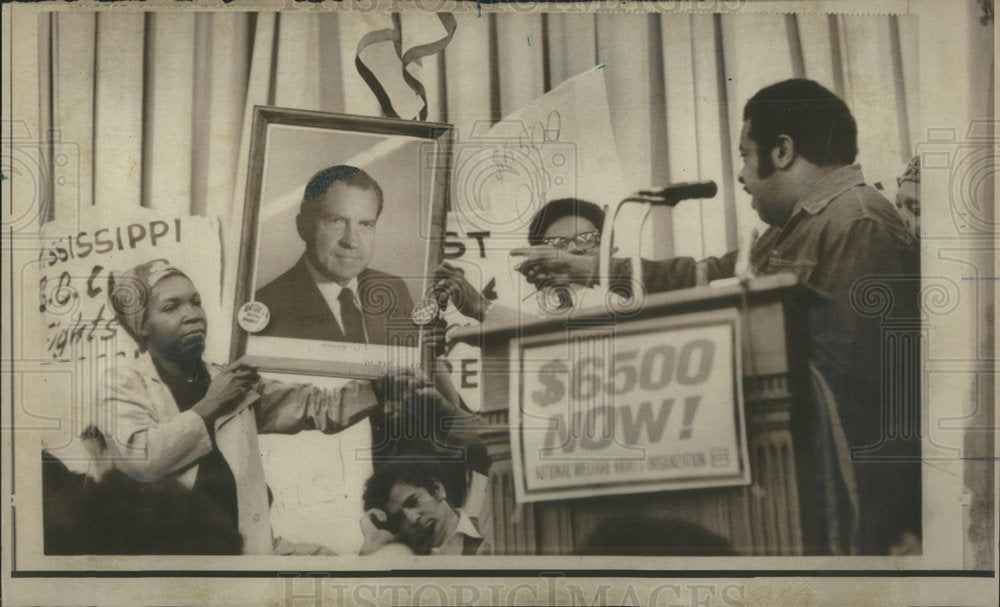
331, 294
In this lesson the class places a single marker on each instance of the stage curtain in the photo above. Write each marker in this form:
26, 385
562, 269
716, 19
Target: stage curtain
159, 102
156, 107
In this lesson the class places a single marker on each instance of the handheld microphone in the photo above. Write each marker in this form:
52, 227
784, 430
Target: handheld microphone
672, 194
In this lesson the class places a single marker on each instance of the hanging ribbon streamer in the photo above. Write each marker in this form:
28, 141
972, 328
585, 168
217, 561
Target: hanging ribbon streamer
412, 55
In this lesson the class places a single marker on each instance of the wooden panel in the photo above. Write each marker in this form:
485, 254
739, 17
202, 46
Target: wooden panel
765, 518
555, 528
496, 378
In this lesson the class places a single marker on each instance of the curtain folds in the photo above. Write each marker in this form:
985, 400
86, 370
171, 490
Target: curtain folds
159, 103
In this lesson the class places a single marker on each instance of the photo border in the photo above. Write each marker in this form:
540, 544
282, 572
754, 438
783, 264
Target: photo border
438, 162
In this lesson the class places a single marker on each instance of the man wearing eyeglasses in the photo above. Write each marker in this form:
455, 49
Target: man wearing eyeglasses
331, 294
568, 225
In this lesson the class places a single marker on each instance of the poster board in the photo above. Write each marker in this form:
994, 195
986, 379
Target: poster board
651, 405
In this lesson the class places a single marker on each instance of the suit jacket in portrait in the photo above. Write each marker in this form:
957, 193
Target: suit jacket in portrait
298, 309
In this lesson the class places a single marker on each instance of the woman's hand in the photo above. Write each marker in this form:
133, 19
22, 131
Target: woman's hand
374, 527
547, 265
435, 338
451, 285
227, 391
394, 389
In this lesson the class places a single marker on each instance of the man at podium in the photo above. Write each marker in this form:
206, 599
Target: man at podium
840, 236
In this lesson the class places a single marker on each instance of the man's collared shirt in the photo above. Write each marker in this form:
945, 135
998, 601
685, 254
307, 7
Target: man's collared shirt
846, 240
331, 292
841, 232
465, 539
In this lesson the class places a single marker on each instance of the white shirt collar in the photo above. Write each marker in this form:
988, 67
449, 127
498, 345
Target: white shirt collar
326, 285
331, 292
455, 543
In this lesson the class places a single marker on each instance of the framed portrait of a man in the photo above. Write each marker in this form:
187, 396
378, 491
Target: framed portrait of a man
343, 220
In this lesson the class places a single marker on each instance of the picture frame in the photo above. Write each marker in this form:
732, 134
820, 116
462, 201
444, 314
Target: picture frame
280, 321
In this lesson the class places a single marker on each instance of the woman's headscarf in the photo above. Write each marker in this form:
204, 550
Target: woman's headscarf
130, 290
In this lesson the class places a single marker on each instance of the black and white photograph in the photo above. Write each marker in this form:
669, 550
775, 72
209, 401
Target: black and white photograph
499, 303
345, 223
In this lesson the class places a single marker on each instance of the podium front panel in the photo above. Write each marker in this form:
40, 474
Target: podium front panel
773, 512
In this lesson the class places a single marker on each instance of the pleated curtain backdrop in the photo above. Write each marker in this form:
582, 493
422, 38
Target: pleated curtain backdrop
160, 102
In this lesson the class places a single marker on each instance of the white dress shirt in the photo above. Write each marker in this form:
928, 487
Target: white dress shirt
454, 544
331, 291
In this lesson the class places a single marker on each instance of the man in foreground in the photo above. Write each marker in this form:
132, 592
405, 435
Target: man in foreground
840, 236
407, 506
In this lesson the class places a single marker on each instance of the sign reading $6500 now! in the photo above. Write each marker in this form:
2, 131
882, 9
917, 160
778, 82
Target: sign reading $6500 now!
640, 406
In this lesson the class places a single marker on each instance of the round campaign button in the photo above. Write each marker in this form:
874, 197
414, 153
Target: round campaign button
426, 311
253, 316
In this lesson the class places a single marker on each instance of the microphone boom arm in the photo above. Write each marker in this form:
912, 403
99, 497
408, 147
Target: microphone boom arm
666, 196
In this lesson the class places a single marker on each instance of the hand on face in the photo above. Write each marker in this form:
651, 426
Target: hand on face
396, 389
568, 255
375, 528
422, 515
339, 231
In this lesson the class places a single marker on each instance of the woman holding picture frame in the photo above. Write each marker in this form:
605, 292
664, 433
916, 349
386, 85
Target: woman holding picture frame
168, 416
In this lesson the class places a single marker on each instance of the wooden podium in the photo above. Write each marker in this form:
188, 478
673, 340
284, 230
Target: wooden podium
777, 513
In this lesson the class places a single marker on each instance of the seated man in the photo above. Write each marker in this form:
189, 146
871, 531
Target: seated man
408, 506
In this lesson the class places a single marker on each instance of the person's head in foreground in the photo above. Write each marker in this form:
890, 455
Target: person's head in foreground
569, 224
159, 306
794, 132
908, 196
651, 535
336, 220
407, 501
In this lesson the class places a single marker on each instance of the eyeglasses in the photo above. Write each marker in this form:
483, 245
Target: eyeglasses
584, 241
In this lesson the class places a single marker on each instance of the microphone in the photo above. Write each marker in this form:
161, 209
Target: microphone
672, 194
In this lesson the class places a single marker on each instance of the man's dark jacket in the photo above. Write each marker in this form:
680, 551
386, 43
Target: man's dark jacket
298, 309
847, 241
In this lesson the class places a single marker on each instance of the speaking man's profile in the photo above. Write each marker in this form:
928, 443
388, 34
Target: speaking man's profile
331, 294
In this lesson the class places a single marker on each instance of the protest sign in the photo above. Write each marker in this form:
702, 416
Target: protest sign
647, 406
74, 267
558, 146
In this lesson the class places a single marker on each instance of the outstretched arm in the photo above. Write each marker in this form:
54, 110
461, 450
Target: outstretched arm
289, 408
545, 264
